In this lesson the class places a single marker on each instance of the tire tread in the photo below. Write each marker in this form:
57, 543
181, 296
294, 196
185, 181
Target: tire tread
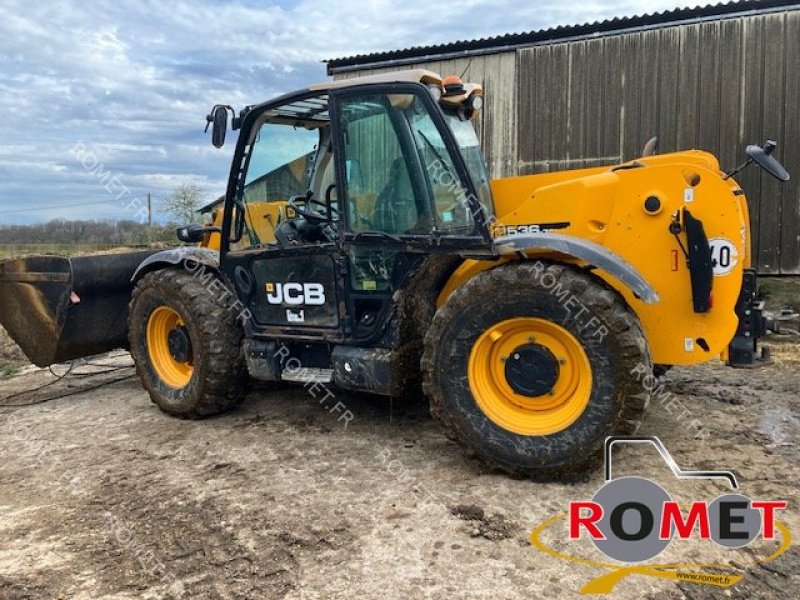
629, 338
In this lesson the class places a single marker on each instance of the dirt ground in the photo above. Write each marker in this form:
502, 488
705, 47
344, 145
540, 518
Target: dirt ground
103, 496
12, 360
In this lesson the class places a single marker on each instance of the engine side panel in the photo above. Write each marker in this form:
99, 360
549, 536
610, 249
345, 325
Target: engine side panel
628, 211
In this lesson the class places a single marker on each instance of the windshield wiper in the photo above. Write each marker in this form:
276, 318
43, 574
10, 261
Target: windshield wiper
437, 154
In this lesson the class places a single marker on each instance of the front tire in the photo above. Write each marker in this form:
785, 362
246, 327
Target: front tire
529, 366
186, 344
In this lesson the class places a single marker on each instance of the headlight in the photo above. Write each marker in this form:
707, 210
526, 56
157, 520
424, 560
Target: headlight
473, 104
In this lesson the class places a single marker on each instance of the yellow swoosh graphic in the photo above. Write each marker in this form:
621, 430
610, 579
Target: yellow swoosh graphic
694, 573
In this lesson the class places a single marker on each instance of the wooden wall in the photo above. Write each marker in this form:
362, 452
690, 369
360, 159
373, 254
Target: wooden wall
717, 85
497, 124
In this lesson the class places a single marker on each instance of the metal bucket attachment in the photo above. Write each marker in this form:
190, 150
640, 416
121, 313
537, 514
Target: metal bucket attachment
59, 309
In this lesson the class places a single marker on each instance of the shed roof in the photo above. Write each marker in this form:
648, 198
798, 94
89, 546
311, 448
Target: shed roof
511, 41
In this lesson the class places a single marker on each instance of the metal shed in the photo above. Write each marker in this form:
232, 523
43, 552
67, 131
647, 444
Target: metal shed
715, 77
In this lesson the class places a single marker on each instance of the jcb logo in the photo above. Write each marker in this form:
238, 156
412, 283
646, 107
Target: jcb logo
296, 294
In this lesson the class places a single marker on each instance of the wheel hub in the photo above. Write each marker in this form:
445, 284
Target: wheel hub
180, 346
531, 370
169, 347
530, 375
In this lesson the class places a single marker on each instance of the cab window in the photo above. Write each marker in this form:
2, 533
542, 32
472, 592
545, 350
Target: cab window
401, 179
381, 194
470, 147
451, 208
280, 166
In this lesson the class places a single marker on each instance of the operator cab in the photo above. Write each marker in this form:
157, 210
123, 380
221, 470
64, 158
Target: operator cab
401, 176
345, 189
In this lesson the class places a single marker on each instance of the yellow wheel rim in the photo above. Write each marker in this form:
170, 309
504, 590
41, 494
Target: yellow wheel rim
173, 372
548, 412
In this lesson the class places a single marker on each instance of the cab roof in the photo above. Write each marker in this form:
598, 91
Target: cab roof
409, 75
311, 104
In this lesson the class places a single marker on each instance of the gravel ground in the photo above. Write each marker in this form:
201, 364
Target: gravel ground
103, 496
12, 360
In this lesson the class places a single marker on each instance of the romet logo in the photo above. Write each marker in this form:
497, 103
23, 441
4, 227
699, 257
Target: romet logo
633, 520
296, 294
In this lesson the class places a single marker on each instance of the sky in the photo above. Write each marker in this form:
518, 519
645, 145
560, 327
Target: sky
105, 101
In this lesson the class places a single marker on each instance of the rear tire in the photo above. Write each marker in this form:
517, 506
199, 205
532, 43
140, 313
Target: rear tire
547, 414
201, 371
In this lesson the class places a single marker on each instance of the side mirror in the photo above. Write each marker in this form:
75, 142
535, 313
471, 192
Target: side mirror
763, 156
194, 234
218, 119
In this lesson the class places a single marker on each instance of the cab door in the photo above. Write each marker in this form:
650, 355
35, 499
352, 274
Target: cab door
404, 191
284, 267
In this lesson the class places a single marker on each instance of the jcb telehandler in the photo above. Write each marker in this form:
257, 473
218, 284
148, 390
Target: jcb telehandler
362, 244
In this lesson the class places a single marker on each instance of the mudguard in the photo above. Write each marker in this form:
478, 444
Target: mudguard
582, 249
191, 256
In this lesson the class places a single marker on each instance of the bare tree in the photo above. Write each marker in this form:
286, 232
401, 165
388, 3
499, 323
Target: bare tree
183, 202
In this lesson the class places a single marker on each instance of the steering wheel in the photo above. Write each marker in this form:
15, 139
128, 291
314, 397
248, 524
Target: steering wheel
301, 205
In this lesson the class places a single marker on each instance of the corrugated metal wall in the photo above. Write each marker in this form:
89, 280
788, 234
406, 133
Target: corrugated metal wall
497, 124
717, 86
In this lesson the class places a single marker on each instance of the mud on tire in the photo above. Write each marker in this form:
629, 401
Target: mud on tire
219, 377
616, 405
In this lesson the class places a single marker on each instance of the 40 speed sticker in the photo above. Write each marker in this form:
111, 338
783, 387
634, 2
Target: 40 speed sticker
724, 255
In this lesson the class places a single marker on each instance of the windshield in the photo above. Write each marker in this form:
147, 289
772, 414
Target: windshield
467, 141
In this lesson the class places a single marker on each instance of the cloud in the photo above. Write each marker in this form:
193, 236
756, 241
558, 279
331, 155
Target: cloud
133, 81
